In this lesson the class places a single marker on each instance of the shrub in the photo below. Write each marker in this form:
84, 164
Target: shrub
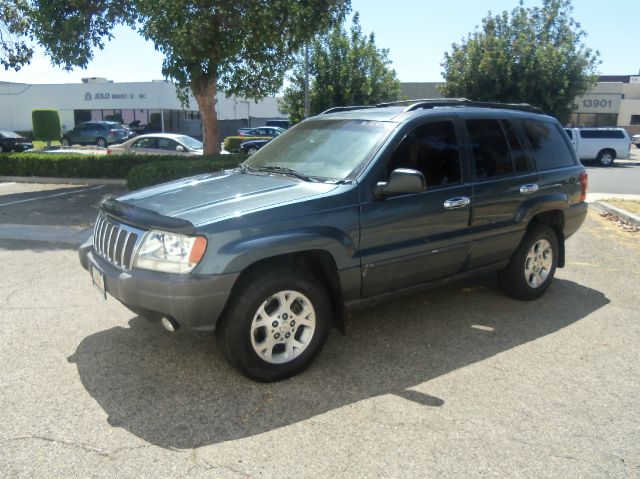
25, 133
232, 143
65, 165
157, 172
46, 125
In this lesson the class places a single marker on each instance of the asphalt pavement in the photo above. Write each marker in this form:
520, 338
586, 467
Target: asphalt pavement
460, 381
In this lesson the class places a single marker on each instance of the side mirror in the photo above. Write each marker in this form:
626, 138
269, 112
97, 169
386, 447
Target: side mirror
402, 181
180, 148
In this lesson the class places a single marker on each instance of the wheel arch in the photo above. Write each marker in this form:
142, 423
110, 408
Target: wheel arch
319, 263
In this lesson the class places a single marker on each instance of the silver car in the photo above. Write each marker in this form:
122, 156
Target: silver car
160, 144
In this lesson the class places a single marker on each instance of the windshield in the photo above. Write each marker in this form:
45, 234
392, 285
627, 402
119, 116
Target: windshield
189, 142
9, 134
333, 149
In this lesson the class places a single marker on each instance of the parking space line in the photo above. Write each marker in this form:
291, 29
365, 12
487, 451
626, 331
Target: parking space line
51, 196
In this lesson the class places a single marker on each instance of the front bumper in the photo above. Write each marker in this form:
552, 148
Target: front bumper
194, 301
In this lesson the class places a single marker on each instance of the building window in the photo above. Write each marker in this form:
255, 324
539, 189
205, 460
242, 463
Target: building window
635, 120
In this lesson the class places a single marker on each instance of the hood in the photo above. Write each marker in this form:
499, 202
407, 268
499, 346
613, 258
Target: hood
213, 197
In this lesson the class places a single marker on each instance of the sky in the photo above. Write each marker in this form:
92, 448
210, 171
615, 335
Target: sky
416, 32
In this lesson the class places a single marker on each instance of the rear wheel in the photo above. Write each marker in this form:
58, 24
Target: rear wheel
606, 158
101, 142
275, 324
532, 266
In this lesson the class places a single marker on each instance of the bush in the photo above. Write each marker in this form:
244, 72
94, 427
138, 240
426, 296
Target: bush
162, 171
232, 143
46, 125
64, 165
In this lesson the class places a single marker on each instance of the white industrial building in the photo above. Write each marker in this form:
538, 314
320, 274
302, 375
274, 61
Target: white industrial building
149, 103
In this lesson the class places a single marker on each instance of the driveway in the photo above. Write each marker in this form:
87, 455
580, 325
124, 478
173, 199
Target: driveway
459, 381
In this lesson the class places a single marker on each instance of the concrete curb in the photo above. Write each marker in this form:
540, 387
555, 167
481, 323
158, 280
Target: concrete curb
604, 207
75, 235
63, 181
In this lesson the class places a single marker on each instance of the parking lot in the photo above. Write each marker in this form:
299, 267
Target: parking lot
458, 381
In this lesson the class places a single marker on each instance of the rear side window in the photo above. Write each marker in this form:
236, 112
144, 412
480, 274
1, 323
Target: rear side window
549, 148
616, 134
490, 149
570, 133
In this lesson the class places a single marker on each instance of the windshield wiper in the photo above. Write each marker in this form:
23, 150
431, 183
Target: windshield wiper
284, 171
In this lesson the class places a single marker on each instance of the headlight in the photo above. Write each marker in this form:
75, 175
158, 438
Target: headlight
170, 252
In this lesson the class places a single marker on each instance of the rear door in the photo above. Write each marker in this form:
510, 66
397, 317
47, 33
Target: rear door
503, 179
410, 239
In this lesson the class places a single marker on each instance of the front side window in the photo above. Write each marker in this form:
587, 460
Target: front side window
167, 144
431, 149
491, 153
328, 149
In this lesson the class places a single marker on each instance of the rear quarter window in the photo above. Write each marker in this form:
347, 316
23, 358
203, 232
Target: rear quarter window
549, 148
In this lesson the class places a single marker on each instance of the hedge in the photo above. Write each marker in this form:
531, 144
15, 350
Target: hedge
64, 165
232, 143
162, 171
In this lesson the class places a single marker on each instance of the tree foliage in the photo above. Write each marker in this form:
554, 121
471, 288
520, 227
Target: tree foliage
346, 68
15, 50
46, 125
532, 55
241, 47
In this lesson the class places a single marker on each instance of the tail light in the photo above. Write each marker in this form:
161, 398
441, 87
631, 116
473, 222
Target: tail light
584, 184
114, 132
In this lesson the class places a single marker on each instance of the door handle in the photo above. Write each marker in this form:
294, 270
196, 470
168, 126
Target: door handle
531, 188
460, 202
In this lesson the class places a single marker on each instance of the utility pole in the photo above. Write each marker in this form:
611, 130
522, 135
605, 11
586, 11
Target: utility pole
306, 80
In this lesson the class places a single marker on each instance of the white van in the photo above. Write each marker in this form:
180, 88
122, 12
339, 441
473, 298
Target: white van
603, 145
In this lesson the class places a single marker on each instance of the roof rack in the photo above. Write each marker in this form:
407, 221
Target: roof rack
425, 103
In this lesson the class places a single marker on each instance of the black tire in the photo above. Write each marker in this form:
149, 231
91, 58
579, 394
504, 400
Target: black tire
515, 280
606, 158
65, 141
252, 151
233, 331
1, 149
102, 143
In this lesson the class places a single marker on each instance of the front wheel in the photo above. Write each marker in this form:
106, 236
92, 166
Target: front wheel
252, 151
276, 323
65, 141
532, 266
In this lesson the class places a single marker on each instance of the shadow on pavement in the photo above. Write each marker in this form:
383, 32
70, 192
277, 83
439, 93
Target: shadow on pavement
176, 391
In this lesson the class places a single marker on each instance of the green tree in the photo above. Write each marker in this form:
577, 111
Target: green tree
46, 125
14, 48
346, 68
239, 47
532, 55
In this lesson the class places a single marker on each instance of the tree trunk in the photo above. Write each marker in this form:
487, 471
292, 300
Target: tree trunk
204, 91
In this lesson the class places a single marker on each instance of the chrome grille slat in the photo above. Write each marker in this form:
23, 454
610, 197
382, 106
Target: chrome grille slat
110, 235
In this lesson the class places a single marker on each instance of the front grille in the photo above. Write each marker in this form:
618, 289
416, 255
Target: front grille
115, 242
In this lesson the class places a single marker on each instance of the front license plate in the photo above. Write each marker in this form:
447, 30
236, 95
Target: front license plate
98, 281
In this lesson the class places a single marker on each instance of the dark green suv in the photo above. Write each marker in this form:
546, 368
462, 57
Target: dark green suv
354, 204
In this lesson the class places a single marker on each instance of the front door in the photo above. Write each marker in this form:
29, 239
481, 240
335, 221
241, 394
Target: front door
411, 239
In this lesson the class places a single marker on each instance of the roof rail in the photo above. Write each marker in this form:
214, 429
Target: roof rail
443, 102
337, 109
425, 103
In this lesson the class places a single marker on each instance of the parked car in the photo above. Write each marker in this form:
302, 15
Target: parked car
635, 139
100, 133
602, 145
10, 141
270, 131
160, 144
252, 146
284, 124
352, 205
